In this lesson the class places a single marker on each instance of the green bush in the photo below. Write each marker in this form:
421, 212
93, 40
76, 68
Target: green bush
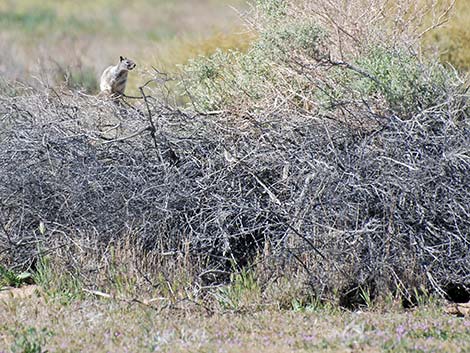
272, 8
395, 79
228, 78
221, 79
83, 78
77, 77
297, 62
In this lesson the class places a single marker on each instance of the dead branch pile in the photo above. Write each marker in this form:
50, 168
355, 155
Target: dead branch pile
382, 208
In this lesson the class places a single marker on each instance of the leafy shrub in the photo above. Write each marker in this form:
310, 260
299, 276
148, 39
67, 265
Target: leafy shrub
297, 60
393, 79
224, 78
77, 77
82, 78
272, 8
228, 79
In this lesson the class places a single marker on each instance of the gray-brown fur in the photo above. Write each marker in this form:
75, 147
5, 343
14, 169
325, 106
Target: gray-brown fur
114, 78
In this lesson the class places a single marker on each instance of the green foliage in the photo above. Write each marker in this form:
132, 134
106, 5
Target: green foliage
43, 275
289, 61
366, 297
272, 8
9, 278
404, 80
281, 40
63, 286
421, 297
222, 78
243, 289
227, 78
400, 80
308, 304
77, 77
30, 340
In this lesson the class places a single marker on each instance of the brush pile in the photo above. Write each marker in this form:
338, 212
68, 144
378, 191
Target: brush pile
366, 189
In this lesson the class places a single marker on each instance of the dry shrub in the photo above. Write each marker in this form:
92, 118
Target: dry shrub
386, 209
354, 25
366, 192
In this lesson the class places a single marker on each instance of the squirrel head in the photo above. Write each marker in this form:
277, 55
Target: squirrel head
126, 63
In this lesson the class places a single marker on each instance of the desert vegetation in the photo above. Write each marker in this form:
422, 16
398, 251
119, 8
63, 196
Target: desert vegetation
316, 166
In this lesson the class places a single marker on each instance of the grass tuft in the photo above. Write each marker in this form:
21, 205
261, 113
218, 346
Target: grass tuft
9, 278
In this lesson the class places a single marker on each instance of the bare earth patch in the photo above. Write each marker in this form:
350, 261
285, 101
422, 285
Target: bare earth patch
93, 325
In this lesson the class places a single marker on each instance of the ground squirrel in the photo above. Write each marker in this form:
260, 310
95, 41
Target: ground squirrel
114, 78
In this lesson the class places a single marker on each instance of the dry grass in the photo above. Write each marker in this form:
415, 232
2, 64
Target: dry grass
453, 39
92, 325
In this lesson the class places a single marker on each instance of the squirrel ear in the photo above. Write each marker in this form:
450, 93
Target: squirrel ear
121, 58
